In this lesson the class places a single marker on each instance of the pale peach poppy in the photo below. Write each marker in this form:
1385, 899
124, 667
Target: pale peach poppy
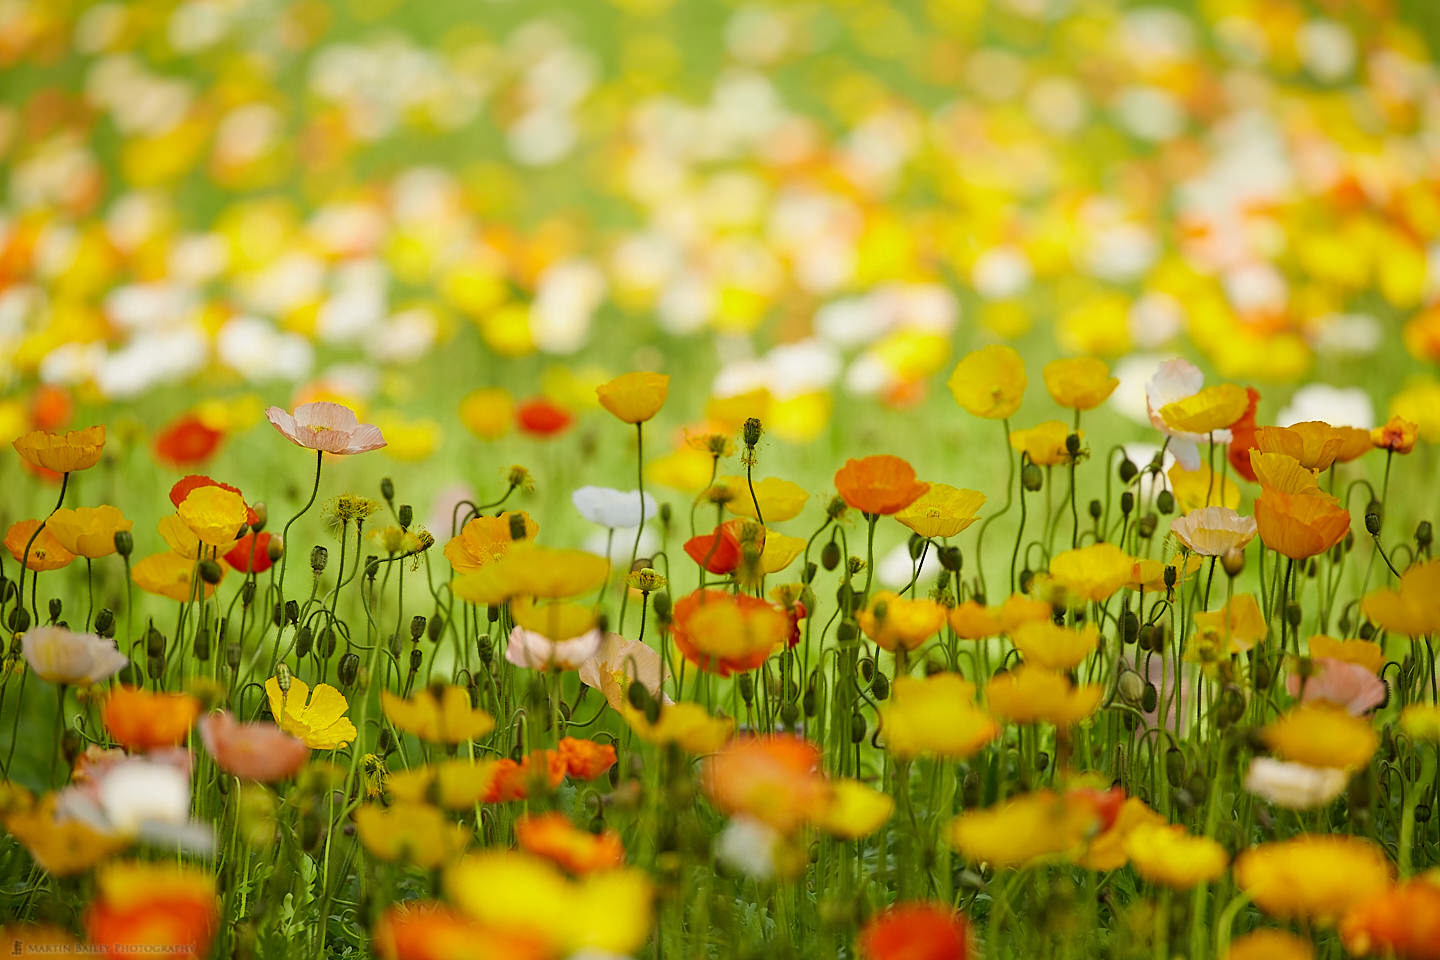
252, 751
331, 427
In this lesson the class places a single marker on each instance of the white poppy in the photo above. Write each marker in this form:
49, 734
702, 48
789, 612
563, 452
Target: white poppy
1294, 786
613, 508
65, 657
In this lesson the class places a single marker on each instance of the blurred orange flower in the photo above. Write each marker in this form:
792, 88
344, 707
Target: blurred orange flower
141, 720
775, 779
1402, 922
1398, 435
585, 759
916, 931
157, 904
187, 442
554, 837
724, 632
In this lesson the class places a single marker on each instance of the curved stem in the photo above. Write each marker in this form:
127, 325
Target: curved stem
285, 532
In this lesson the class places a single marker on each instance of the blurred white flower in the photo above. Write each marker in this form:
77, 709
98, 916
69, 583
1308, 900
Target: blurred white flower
63, 656
895, 568
1337, 406
538, 652
749, 847
616, 509
1294, 785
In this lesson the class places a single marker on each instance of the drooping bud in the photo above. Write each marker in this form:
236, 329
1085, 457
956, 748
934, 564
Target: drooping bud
1165, 502
1031, 478
387, 489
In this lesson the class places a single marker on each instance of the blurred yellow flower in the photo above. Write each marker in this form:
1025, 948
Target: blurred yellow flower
780, 500
1171, 856
989, 382
413, 833
1213, 408
1047, 644
1044, 444
685, 724
895, 622
1092, 572
1033, 694
442, 715
1079, 383
530, 570
1312, 878
1233, 628
934, 716
1032, 827
483, 539
1201, 488
854, 810
634, 397
1421, 721
170, 575
1413, 607
488, 413
1321, 734
1271, 944
1364, 653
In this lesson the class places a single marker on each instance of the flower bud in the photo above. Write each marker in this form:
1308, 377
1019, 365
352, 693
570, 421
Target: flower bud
847, 632
154, 642
262, 516
275, 549
1129, 627
417, 627
327, 643
435, 628
304, 641
387, 489
124, 543
789, 713
517, 526
1233, 560
857, 728
1165, 502
1096, 509
292, 611
637, 695
210, 571
951, 558
56, 606
105, 622
1293, 613
746, 684
406, 514
1373, 518
416, 658
1146, 527
1072, 444
347, 669
201, 644
155, 667
880, 687
319, 557
1127, 503
807, 575
830, 555
1026, 578
282, 676
661, 604
751, 431
1174, 766
1128, 470
1031, 478
1131, 687
486, 649
232, 656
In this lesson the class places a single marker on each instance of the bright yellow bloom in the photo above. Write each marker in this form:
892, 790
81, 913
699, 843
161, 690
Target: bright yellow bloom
780, 551
634, 397
1201, 488
216, 515
1315, 444
608, 911
1282, 472
1369, 655
1233, 628
685, 724
1044, 444
942, 511
1312, 878
1032, 827
1106, 851
855, 810
1421, 721
554, 621
989, 382
1271, 944
1079, 383
780, 500
1171, 856
1032, 694
1093, 572
934, 716
317, 718
484, 539
414, 833
63, 452
441, 715
895, 622
88, 531
1320, 734
178, 537
1047, 644
170, 575
1213, 408
534, 571
1413, 608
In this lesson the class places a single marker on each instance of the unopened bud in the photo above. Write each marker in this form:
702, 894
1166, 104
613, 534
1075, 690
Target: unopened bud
1165, 502
830, 555
262, 516
1072, 444
319, 557
348, 668
405, 514
124, 543
105, 622
751, 432
387, 489
275, 549
1031, 478
1233, 560
1096, 509
56, 606
304, 641
292, 611
210, 571
951, 558
1374, 514
1128, 470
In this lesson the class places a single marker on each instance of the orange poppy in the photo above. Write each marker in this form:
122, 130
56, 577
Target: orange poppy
916, 931
251, 553
186, 442
1242, 438
46, 553
554, 837
540, 417
775, 779
1398, 435
160, 905
586, 759
1300, 525
512, 781
723, 632
429, 931
1402, 922
140, 720
719, 551
879, 484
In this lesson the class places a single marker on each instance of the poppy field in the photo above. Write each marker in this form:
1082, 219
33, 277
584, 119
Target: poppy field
713, 479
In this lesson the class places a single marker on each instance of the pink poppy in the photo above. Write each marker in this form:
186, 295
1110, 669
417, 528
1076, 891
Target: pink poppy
1347, 684
331, 427
252, 751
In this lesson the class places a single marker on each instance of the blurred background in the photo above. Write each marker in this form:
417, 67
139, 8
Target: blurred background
809, 209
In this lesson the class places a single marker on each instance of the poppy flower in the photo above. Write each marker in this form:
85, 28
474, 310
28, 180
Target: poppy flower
327, 427
879, 484
488, 412
634, 397
484, 539
585, 759
1363, 653
414, 930
252, 751
159, 904
1093, 572
934, 716
1413, 607
989, 382
1175, 380
541, 417
186, 442
1346, 685
1044, 444
141, 720
215, 515
718, 551
1169, 855
916, 931
536, 651
1033, 827
1300, 525
614, 509
1294, 786
1402, 922
895, 622
1213, 531
1242, 437
774, 779
942, 511
413, 833
780, 500
533, 571
553, 837
854, 810
251, 553
187, 485
1079, 383
1271, 944
618, 663
1314, 443
62, 452
63, 656
45, 550
170, 575
1321, 734
1032, 694
1208, 410
1398, 435
724, 633
1314, 878
687, 725
1231, 629
437, 715
1047, 644
1279, 471
62, 846
317, 718
50, 407
88, 531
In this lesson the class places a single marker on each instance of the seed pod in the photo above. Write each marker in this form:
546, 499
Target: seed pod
202, 644
789, 713
808, 702
292, 611
915, 545
247, 593
154, 642
847, 632
487, 651
416, 658
406, 513
319, 557
232, 656
1374, 516
492, 613
435, 628
747, 687
304, 641
1170, 576
348, 668
1146, 527
751, 431
19, 620
1174, 766
867, 669
1129, 627
1096, 509
1150, 699
417, 627
1072, 444
880, 687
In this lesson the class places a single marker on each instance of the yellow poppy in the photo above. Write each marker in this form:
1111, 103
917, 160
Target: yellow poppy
1321, 734
317, 718
934, 716
1363, 653
780, 500
895, 622
1044, 444
1232, 629
989, 382
414, 833
634, 397
1079, 383
1213, 531
45, 550
62, 452
484, 539
488, 413
1033, 694
1312, 878
441, 715
685, 724
214, 514
1201, 488
1213, 408
942, 511
1282, 472
1047, 644
1271, 944
1032, 827
530, 570
1300, 525
88, 531
1315, 444
170, 575
1171, 856
61, 846
1092, 572
1412, 608
854, 810
780, 551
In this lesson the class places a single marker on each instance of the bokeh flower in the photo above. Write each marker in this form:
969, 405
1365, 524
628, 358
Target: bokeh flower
935, 716
87, 531
1079, 383
144, 720
252, 751
1315, 878
63, 656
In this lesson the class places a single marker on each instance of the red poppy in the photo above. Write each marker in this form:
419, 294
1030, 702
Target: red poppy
795, 614
251, 553
540, 417
1242, 438
916, 931
50, 407
186, 442
184, 485
1106, 803
719, 551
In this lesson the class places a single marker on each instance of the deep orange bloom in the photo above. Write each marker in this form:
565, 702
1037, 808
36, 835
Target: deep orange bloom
1242, 438
251, 553
1300, 525
154, 905
916, 931
718, 551
46, 552
540, 417
879, 484
186, 442
586, 759
140, 720
724, 632
775, 779
554, 837
1403, 922
431, 931
512, 781
50, 407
